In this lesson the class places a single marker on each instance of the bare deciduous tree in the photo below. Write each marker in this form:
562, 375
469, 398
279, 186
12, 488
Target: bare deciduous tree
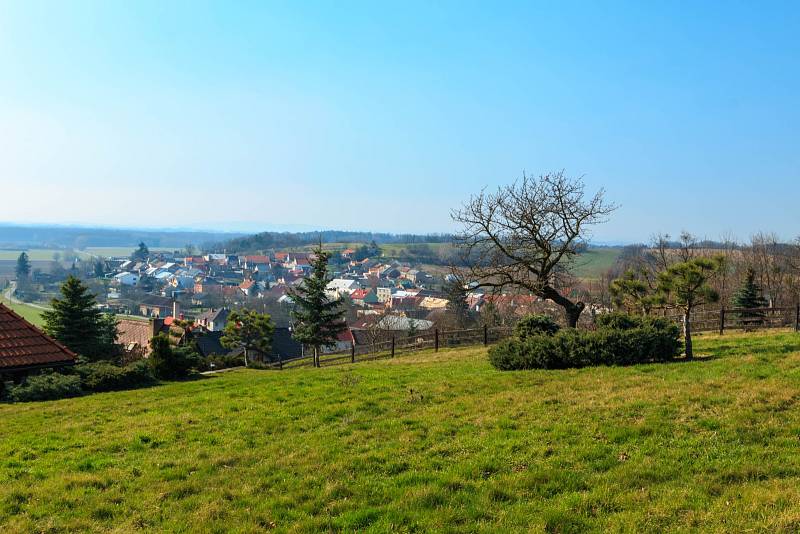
529, 234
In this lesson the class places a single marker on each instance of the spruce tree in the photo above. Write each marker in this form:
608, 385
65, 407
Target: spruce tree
457, 303
317, 319
75, 322
23, 269
749, 297
141, 253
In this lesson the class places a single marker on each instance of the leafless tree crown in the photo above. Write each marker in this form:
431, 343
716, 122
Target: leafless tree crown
528, 234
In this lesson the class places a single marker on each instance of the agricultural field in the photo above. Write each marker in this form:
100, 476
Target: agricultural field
594, 263
427, 442
107, 252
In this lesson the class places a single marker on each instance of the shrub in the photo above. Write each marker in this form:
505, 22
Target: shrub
103, 376
168, 362
46, 387
222, 362
532, 325
619, 341
619, 321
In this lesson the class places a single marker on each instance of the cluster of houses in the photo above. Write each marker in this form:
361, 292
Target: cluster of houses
189, 297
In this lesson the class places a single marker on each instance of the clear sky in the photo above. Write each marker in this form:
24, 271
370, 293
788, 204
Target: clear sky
384, 116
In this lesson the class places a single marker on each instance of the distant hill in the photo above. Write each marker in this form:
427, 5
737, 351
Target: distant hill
12, 236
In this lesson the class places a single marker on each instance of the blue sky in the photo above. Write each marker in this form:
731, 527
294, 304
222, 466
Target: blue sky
385, 116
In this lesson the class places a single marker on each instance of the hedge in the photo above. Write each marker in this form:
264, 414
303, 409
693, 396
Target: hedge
619, 340
46, 387
104, 376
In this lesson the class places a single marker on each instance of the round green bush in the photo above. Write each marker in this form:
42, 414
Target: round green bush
619, 341
104, 376
534, 325
46, 387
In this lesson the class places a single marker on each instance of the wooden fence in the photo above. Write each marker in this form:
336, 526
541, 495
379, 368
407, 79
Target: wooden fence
719, 320
724, 319
398, 344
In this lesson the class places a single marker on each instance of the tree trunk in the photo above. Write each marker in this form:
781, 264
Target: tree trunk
245, 356
687, 333
316, 356
572, 310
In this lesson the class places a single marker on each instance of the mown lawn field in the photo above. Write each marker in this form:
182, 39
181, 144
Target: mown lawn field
429, 442
30, 313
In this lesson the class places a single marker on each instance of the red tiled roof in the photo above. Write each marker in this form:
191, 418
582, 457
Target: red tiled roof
24, 345
134, 332
359, 294
247, 284
345, 335
257, 259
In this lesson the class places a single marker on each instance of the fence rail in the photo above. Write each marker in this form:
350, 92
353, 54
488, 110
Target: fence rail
746, 319
399, 345
719, 320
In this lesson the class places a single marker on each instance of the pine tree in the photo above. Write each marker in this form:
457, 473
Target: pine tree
749, 297
23, 269
249, 330
141, 253
686, 285
457, 303
75, 322
318, 319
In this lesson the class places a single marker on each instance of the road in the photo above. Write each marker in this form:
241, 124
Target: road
9, 296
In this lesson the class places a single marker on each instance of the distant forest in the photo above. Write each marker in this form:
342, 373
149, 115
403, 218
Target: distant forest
276, 240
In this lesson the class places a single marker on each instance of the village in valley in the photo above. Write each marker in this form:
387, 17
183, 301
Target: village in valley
191, 295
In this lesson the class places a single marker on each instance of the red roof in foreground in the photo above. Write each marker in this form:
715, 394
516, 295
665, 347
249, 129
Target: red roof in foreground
24, 345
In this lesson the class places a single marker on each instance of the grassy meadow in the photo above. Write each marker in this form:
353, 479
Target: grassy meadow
30, 313
428, 442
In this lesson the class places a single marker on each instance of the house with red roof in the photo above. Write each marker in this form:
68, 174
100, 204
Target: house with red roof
249, 287
23, 347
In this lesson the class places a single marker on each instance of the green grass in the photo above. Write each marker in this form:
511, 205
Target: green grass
31, 314
595, 262
430, 442
34, 254
46, 254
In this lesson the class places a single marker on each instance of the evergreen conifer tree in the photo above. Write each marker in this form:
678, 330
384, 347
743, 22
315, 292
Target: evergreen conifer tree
23, 269
749, 297
317, 319
75, 322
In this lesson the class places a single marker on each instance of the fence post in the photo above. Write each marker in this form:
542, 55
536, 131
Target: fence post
353, 352
392, 346
722, 320
485, 335
280, 361
436, 340
797, 318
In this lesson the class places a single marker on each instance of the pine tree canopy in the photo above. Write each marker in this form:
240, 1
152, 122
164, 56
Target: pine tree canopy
749, 295
23, 269
75, 322
318, 319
